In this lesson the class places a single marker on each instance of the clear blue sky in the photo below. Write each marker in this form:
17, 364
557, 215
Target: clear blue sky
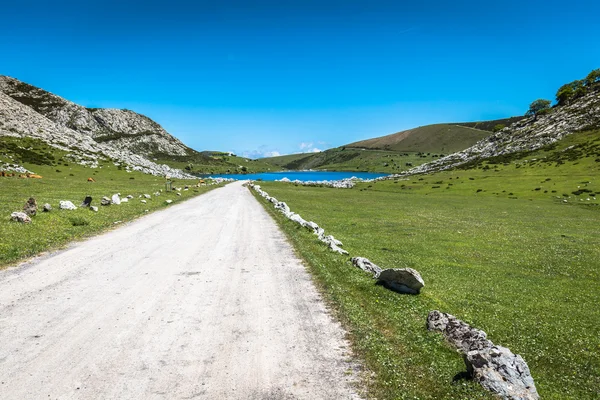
283, 76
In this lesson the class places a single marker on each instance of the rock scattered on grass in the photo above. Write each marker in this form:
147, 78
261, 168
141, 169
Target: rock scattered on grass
105, 201
496, 368
366, 265
143, 201
66, 205
20, 217
30, 207
403, 280
86, 202
168, 201
115, 199
94, 208
47, 208
147, 196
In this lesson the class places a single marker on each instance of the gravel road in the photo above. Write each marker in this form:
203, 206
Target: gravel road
203, 300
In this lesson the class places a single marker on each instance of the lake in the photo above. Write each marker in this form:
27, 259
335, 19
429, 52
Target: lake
301, 175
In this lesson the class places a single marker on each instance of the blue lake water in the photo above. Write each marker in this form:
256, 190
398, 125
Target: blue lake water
302, 175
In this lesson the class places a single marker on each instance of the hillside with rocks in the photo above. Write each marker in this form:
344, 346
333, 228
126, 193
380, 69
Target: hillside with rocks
123, 136
534, 132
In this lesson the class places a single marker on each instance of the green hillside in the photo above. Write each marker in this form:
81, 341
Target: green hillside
438, 138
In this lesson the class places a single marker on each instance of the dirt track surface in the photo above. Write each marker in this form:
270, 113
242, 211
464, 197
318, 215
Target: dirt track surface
203, 300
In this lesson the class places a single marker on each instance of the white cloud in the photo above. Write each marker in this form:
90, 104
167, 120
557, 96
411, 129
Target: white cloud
305, 145
314, 150
261, 152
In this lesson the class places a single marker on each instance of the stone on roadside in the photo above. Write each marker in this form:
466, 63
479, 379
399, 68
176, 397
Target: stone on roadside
47, 207
105, 201
66, 205
20, 217
94, 208
86, 202
501, 372
339, 250
366, 265
169, 201
403, 280
116, 199
30, 207
464, 337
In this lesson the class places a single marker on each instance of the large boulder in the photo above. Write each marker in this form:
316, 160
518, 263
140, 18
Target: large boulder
20, 217
366, 265
501, 372
66, 205
403, 280
496, 368
30, 207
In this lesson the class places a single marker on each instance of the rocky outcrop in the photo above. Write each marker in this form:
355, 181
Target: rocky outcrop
496, 368
89, 135
528, 134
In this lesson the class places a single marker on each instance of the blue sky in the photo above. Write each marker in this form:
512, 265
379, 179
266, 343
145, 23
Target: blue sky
262, 77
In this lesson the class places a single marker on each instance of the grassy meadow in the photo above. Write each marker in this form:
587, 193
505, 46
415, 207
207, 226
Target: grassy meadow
66, 180
497, 246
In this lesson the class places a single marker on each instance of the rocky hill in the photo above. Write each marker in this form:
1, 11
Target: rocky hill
121, 135
529, 134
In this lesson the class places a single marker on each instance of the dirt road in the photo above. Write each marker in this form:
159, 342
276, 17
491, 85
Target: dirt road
204, 300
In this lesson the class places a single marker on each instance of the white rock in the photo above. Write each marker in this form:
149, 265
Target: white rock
66, 205
115, 199
20, 217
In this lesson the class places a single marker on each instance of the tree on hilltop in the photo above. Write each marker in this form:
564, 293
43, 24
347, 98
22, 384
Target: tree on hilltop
593, 77
539, 107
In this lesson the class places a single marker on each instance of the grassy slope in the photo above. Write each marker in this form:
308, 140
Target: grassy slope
345, 159
415, 146
57, 228
495, 246
438, 138
217, 163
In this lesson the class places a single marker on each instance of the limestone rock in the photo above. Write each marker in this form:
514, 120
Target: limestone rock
115, 199
105, 201
337, 249
464, 337
366, 265
169, 201
501, 372
147, 196
129, 196
124, 200
403, 280
94, 208
143, 201
30, 207
20, 217
66, 205
47, 207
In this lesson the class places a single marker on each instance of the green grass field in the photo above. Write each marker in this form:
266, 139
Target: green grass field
497, 246
65, 180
